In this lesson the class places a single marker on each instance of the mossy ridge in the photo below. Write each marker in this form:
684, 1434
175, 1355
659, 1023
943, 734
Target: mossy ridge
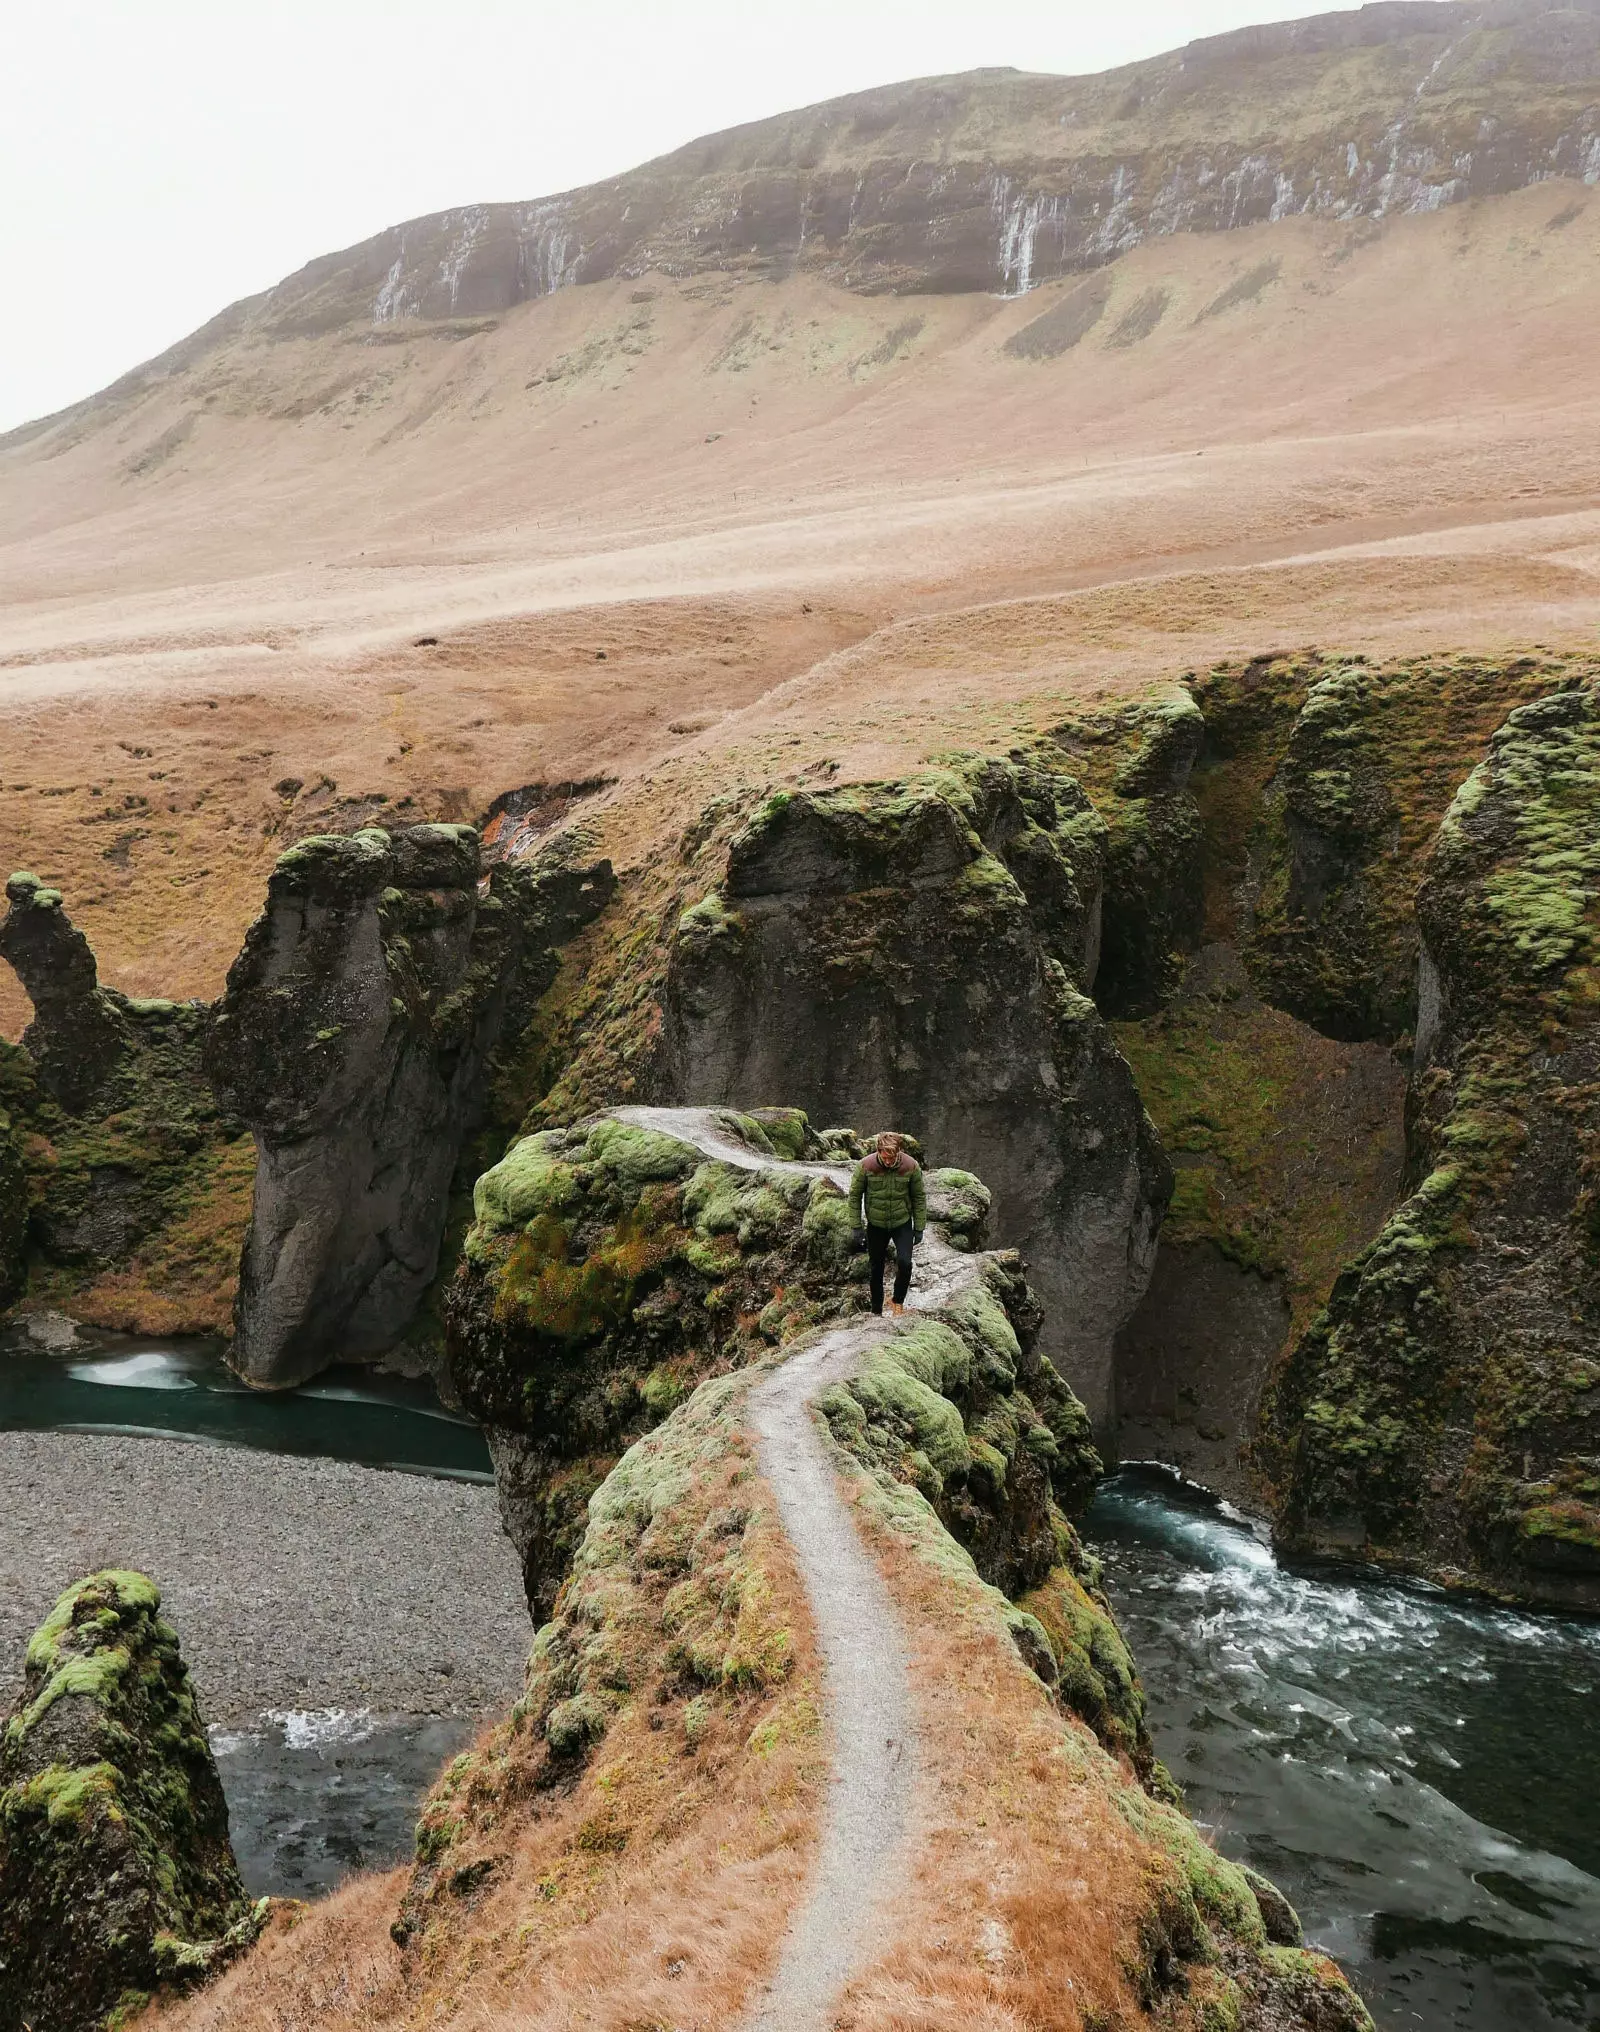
1205, 1926
1441, 1413
958, 1409
610, 1269
116, 1875
670, 1606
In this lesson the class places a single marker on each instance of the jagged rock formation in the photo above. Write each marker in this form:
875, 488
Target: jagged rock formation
670, 1634
1442, 1411
997, 180
614, 1266
116, 1873
1275, 1066
114, 1136
75, 1038
919, 953
355, 1038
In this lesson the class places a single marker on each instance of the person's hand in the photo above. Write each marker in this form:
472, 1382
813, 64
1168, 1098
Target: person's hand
858, 1244
916, 1238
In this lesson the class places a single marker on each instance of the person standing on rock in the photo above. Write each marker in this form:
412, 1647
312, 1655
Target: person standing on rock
889, 1200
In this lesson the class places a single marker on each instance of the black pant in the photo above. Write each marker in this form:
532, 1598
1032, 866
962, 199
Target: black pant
878, 1240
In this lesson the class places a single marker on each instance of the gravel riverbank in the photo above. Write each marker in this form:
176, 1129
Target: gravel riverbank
292, 1583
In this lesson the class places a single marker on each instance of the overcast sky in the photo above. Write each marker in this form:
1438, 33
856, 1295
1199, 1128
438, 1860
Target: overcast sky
161, 158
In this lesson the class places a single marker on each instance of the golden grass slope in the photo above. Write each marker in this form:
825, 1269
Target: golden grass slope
1378, 437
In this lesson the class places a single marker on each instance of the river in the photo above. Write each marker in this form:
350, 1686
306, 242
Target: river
1420, 1773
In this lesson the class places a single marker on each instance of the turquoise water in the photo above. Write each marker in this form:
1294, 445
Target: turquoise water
184, 1389
1420, 1773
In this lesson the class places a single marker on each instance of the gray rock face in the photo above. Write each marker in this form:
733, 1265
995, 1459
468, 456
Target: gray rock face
75, 1038
997, 180
912, 954
354, 1039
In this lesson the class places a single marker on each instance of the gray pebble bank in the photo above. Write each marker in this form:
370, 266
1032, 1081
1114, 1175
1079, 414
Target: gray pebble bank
292, 1583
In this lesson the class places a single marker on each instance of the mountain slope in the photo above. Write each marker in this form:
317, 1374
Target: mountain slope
998, 180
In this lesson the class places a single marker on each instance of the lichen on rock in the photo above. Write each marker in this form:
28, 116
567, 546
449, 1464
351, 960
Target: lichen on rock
117, 1877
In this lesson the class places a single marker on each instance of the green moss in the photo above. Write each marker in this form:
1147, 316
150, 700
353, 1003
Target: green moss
787, 1131
640, 1156
121, 1788
534, 1177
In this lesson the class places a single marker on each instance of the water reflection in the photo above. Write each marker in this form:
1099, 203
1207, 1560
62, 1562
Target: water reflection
183, 1389
1419, 1773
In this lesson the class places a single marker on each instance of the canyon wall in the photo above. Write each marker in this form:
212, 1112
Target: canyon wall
917, 955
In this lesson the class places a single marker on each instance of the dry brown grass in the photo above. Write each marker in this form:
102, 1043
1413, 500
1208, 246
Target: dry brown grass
653, 1891
650, 1890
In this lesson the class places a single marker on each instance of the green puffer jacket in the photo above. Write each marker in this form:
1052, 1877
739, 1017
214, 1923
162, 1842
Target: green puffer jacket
888, 1199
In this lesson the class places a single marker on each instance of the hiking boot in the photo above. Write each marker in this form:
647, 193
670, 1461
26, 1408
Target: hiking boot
897, 1308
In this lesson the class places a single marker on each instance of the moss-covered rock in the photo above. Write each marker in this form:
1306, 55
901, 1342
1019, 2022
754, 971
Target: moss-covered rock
918, 952
127, 1185
1320, 787
1444, 1411
357, 1038
1137, 763
116, 1873
610, 1268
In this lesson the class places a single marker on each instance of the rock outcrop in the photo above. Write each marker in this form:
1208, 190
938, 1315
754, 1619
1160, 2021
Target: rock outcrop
77, 1033
114, 1139
355, 1038
919, 953
615, 1266
117, 1877
670, 1669
1444, 1411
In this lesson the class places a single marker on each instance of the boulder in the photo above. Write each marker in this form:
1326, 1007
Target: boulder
116, 1872
355, 1039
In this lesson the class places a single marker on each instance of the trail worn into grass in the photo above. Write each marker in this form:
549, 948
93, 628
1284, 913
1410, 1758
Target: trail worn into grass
866, 1659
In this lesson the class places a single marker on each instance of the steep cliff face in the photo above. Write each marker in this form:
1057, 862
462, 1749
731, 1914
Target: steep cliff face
998, 180
918, 953
117, 1877
1442, 1411
117, 1154
1276, 1067
355, 1038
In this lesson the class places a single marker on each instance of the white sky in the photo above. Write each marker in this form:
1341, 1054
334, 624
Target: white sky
161, 158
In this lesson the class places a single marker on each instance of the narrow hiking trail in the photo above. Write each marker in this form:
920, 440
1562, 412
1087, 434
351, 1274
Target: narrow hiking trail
866, 1662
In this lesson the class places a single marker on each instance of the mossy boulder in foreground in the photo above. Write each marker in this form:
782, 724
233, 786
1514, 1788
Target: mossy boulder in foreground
116, 1872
